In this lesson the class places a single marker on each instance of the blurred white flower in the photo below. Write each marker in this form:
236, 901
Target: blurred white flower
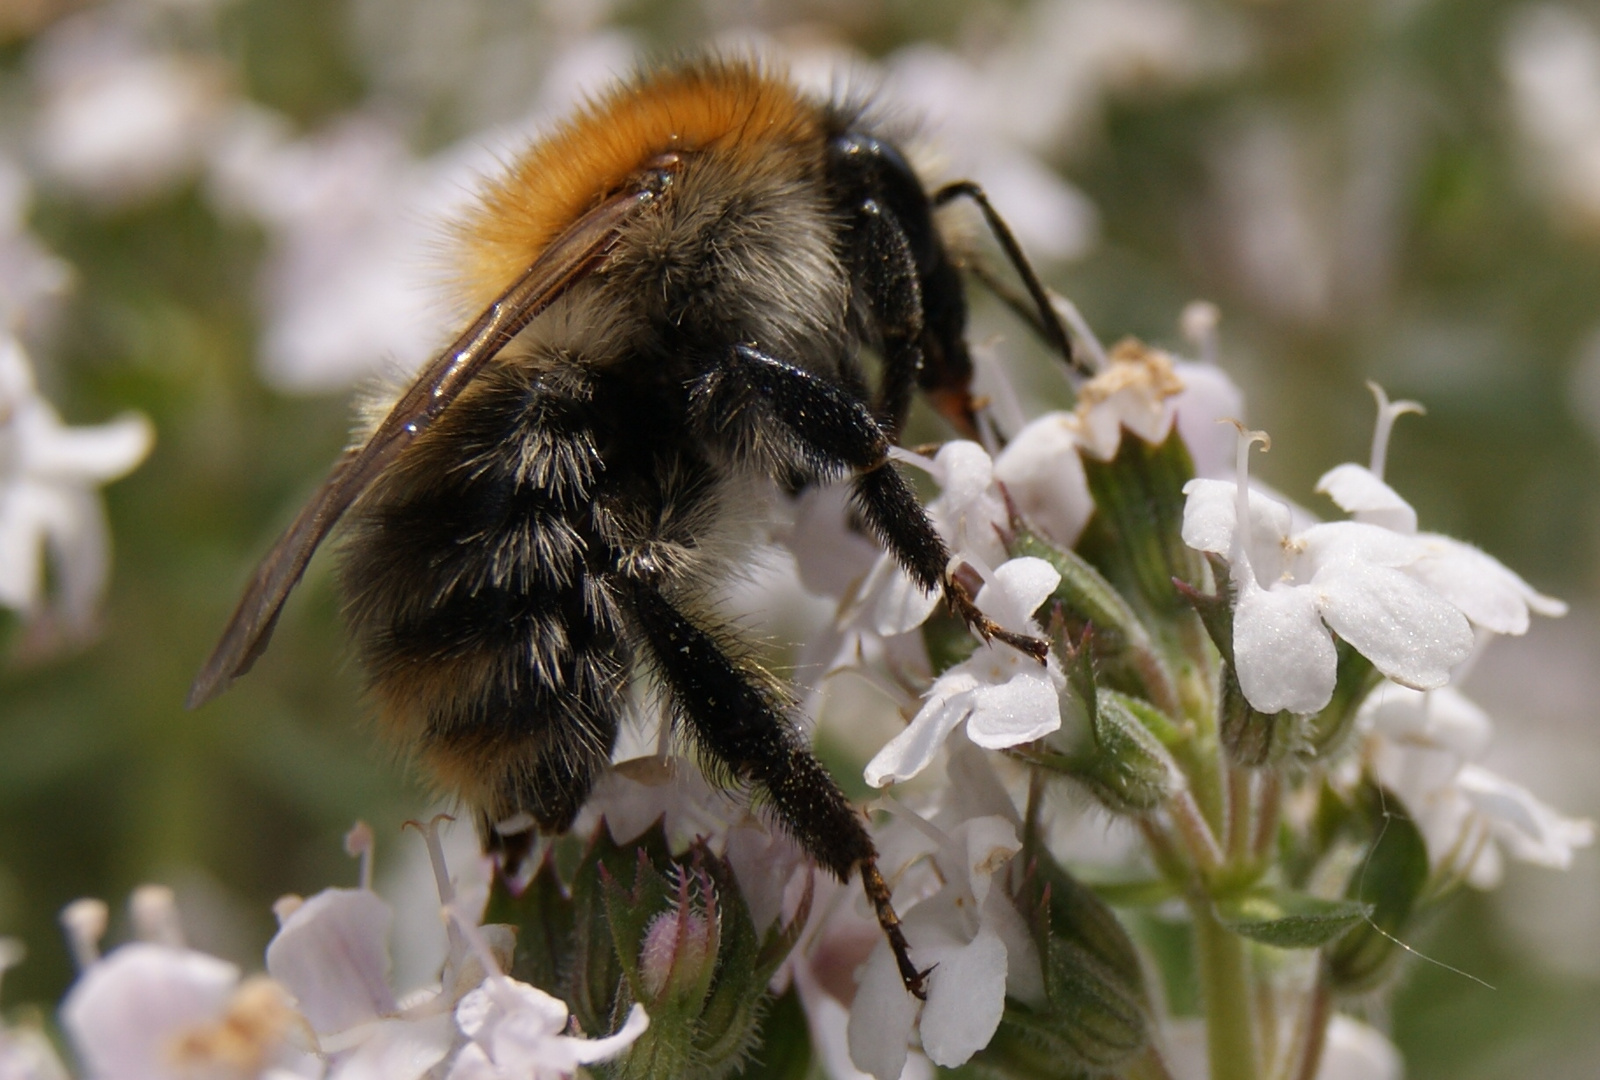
30, 276
25, 1050
121, 119
48, 503
1551, 61
332, 954
1424, 747
1353, 1051
348, 285
160, 1011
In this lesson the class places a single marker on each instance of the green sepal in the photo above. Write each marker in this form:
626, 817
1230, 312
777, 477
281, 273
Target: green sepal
1289, 920
947, 640
705, 1019
1135, 536
1123, 645
1252, 739
542, 914
785, 1050
1096, 1016
1123, 762
1330, 729
1390, 879
597, 979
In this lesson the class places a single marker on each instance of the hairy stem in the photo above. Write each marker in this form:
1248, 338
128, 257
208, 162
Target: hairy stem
1225, 990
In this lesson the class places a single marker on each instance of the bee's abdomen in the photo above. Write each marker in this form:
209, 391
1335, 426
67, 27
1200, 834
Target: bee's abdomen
474, 589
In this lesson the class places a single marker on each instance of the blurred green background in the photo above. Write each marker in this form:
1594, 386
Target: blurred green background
1399, 190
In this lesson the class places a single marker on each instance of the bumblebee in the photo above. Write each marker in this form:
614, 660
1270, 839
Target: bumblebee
675, 288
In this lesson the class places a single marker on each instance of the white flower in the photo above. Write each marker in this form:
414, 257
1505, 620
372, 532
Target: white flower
515, 1033
346, 289
1480, 586
1141, 390
1484, 590
48, 473
332, 954
1293, 592
29, 275
1424, 748
25, 1051
160, 1011
1005, 697
980, 951
121, 120
1352, 1051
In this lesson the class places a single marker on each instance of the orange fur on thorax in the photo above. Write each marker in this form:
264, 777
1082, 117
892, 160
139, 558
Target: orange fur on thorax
731, 108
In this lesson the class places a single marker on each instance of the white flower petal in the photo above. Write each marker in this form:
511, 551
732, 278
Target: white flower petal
1209, 515
1534, 831
913, 750
1208, 397
398, 1050
1024, 708
1485, 590
333, 955
966, 997
1043, 474
1443, 718
964, 472
891, 603
126, 1010
1361, 494
95, 454
1282, 653
1408, 631
1332, 542
881, 1017
1018, 588
586, 1051
1357, 1051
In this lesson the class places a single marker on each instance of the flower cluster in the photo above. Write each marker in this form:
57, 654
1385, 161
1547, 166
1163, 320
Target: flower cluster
155, 1009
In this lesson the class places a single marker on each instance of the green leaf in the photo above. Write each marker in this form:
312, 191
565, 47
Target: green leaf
1289, 920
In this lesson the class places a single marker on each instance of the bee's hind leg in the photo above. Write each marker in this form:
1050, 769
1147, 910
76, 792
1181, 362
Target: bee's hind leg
737, 717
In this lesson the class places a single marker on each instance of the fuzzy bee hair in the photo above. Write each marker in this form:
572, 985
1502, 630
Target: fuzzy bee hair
698, 259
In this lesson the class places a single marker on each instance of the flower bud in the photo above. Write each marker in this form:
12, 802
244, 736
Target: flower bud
1116, 754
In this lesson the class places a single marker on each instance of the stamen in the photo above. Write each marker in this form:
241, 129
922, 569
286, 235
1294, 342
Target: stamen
1388, 413
85, 924
441, 872
1240, 555
285, 906
155, 915
359, 842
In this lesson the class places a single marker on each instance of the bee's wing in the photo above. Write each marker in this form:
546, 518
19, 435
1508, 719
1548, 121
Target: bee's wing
571, 257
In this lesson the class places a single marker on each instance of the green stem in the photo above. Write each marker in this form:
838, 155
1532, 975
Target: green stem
1225, 990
